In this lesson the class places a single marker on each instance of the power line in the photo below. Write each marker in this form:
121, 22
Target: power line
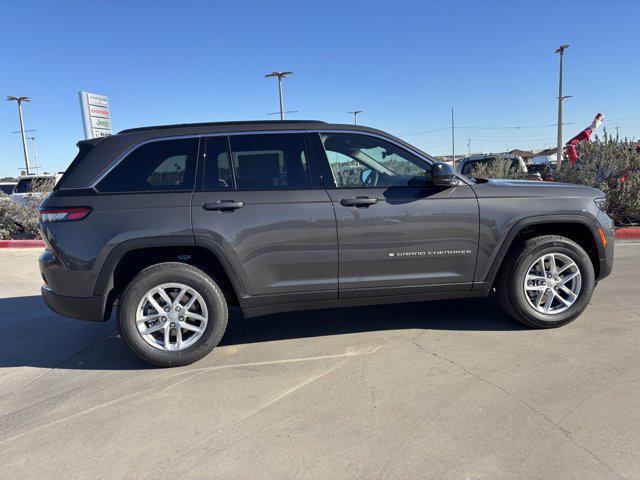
516, 127
428, 131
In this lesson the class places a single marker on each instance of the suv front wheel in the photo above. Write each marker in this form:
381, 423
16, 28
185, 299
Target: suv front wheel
172, 314
547, 283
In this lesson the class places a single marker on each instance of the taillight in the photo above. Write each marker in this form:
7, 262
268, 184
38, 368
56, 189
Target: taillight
65, 214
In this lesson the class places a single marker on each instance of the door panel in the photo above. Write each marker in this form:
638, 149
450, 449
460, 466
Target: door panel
409, 237
396, 232
279, 233
278, 241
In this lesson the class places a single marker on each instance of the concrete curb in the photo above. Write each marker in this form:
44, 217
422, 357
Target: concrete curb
21, 244
629, 233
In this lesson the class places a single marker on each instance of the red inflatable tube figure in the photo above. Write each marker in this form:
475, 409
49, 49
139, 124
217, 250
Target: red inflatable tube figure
584, 135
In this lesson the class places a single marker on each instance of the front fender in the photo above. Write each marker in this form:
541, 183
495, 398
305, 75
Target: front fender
485, 277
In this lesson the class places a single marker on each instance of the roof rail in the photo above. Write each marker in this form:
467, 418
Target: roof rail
207, 124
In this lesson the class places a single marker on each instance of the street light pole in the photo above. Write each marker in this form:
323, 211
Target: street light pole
35, 154
355, 116
560, 50
280, 76
24, 139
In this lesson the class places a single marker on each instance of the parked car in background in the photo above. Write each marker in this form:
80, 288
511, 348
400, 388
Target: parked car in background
467, 165
31, 189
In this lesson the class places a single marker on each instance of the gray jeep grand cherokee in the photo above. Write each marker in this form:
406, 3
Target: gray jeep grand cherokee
175, 223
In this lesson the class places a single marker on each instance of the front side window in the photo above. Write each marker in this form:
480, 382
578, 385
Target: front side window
164, 165
269, 161
359, 161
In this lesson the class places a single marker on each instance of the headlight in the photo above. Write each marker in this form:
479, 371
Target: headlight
601, 203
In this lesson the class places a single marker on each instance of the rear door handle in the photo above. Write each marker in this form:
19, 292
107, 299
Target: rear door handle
223, 205
358, 201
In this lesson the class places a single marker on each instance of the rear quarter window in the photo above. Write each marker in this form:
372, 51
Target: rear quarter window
158, 166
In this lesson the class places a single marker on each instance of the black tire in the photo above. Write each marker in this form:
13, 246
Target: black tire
510, 283
172, 272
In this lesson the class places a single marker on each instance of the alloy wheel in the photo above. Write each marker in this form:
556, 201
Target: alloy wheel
552, 283
171, 316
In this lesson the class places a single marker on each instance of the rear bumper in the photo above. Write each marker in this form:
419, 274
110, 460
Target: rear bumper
91, 308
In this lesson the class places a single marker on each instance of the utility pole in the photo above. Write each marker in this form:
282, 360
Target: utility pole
560, 50
280, 76
24, 140
35, 154
453, 141
468, 147
355, 116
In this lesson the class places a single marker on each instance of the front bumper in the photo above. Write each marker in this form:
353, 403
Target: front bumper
90, 308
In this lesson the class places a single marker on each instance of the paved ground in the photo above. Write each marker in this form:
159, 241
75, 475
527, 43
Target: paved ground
434, 390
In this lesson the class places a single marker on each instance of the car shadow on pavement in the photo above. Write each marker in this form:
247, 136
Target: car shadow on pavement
39, 338
469, 315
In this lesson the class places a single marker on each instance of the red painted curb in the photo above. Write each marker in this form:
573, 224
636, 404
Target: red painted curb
629, 233
21, 244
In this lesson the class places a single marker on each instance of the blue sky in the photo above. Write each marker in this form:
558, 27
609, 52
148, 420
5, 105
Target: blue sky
404, 63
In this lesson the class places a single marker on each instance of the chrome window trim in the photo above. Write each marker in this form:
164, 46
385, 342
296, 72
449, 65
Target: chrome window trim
135, 146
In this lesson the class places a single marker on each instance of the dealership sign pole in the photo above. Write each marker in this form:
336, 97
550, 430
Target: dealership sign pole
96, 115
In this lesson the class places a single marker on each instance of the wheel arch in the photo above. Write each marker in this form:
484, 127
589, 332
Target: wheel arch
130, 257
579, 228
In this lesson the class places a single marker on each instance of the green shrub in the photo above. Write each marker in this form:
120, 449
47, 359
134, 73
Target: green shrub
17, 221
613, 166
608, 164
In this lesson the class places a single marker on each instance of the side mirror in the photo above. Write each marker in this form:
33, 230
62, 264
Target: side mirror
443, 175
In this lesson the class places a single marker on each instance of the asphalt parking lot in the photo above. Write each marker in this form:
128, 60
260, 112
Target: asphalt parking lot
451, 389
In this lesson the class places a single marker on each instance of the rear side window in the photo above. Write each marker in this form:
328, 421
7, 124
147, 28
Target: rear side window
269, 161
160, 166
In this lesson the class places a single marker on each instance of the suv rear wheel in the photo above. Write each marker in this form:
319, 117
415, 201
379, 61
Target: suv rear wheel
547, 283
172, 314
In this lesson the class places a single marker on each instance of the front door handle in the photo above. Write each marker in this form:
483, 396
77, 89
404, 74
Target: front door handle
358, 201
223, 205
